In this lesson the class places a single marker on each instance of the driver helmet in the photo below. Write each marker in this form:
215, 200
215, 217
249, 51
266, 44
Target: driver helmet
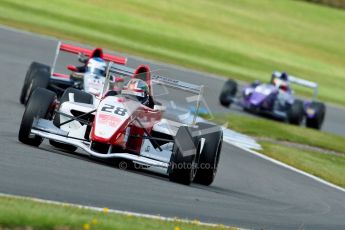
282, 82
284, 76
96, 66
138, 90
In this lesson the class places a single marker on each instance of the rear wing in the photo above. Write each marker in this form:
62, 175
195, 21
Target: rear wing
176, 84
162, 80
87, 52
301, 82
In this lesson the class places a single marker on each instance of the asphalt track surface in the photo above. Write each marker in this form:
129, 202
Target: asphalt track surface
248, 192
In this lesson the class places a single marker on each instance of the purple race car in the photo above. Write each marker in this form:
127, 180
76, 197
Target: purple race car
276, 100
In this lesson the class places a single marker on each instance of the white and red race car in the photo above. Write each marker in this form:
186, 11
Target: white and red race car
44, 76
113, 126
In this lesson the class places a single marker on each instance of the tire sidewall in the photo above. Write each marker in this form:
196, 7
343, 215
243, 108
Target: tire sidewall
183, 163
40, 79
40, 105
34, 66
210, 155
228, 92
296, 113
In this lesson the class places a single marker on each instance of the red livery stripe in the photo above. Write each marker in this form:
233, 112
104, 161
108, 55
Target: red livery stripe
60, 75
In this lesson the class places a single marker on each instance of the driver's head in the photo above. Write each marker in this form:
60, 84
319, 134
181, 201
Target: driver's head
137, 89
282, 81
284, 76
96, 66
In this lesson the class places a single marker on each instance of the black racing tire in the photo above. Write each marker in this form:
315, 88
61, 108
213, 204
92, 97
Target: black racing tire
79, 96
296, 113
34, 66
40, 79
210, 155
183, 162
320, 113
40, 105
32, 72
228, 93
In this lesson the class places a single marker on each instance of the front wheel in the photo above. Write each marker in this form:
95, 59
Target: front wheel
319, 110
296, 113
32, 71
40, 79
184, 159
40, 105
209, 157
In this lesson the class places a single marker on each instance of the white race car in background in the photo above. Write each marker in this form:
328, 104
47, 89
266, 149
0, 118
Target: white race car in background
44, 76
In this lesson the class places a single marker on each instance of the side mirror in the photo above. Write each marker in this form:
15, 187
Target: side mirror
72, 68
82, 58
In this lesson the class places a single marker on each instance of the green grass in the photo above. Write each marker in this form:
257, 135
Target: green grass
259, 127
244, 39
333, 3
329, 167
18, 212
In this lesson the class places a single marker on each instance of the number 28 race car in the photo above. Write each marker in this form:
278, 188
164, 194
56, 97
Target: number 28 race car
44, 76
116, 125
276, 99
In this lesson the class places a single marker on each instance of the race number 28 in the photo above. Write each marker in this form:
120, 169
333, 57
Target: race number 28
112, 109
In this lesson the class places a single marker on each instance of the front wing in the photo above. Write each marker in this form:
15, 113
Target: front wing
46, 129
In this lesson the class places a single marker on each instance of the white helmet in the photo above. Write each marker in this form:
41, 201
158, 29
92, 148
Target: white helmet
96, 66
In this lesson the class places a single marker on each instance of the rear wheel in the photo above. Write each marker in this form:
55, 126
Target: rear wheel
317, 120
228, 93
184, 157
209, 157
41, 105
79, 96
296, 112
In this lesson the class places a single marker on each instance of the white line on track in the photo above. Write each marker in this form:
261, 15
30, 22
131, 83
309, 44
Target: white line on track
126, 213
318, 179
249, 145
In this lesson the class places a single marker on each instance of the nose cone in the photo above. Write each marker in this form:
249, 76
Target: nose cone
111, 114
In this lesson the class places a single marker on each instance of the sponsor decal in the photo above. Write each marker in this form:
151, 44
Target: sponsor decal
106, 119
